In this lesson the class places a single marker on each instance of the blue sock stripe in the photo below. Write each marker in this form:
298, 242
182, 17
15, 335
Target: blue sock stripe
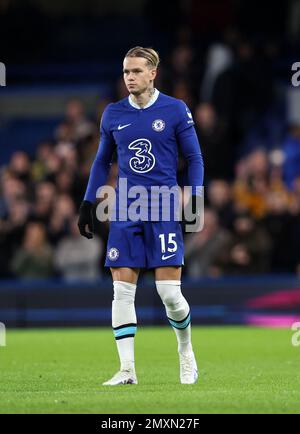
179, 324
132, 324
181, 321
125, 331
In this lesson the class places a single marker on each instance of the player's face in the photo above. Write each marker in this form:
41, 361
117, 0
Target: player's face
138, 76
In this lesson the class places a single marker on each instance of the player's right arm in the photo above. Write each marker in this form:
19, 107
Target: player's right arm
98, 175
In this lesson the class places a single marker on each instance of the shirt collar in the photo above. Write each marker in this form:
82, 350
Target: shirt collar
150, 103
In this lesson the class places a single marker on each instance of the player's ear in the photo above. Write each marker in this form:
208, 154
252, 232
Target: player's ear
153, 73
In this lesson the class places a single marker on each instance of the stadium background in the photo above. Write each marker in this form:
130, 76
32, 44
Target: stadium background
230, 61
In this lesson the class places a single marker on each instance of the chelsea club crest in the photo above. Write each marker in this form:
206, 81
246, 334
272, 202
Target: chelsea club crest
113, 254
158, 125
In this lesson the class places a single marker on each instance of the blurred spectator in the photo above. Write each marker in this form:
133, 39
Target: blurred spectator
64, 182
251, 184
76, 126
78, 258
256, 179
249, 250
12, 189
61, 217
12, 232
39, 166
53, 165
217, 148
219, 59
68, 155
279, 224
35, 257
244, 91
19, 166
179, 75
203, 250
220, 200
45, 194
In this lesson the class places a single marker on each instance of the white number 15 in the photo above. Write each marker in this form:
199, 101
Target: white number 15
172, 245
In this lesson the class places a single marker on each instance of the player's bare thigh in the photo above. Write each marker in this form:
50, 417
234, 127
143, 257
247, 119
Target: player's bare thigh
168, 273
125, 274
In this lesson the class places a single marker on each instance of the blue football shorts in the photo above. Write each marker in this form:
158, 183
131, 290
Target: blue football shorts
145, 244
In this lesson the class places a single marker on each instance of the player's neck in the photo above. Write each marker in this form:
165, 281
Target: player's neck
142, 99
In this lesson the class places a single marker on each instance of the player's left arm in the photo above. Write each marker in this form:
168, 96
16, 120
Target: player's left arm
191, 150
190, 147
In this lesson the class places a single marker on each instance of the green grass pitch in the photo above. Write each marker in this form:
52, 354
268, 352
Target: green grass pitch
242, 370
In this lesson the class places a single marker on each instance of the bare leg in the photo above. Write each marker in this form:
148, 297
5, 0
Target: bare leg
125, 274
168, 273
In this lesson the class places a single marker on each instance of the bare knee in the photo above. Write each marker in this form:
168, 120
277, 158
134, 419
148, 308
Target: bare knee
125, 274
168, 273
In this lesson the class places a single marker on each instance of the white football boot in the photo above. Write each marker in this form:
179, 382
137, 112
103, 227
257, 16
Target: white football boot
188, 368
122, 377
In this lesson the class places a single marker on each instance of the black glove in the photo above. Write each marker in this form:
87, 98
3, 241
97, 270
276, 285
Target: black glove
195, 210
86, 218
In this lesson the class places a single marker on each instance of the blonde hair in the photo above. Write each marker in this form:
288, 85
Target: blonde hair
149, 54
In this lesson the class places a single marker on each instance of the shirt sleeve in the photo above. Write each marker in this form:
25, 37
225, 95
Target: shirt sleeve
190, 147
185, 117
103, 160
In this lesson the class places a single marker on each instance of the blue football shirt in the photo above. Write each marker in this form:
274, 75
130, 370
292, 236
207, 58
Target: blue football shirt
147, 141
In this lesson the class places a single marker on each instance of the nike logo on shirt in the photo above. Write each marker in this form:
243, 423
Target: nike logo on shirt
167, 257
120, 127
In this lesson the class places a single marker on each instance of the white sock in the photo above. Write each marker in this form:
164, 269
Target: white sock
124, 322
178, 312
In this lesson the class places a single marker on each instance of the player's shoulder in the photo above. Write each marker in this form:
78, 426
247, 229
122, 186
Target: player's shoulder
118, 105
113, 109
177, 107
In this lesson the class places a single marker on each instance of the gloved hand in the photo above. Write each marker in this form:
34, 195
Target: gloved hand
86, 218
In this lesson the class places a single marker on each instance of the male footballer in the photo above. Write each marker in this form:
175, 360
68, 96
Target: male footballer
146, 129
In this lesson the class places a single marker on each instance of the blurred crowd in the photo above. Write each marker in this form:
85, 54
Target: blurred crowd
252, 176
39, 202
